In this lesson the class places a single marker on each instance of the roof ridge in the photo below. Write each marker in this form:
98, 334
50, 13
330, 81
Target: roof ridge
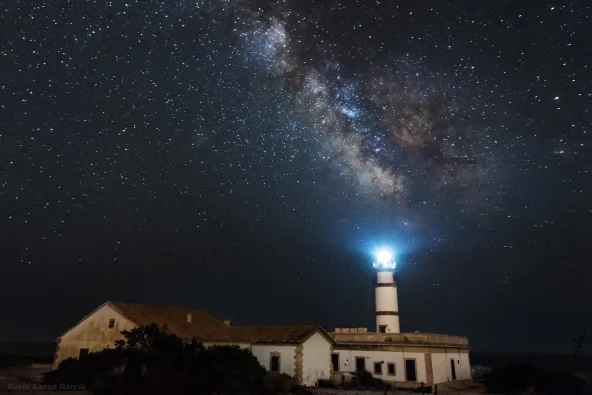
158, 305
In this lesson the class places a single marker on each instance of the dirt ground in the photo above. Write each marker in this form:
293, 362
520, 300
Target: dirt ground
27, 381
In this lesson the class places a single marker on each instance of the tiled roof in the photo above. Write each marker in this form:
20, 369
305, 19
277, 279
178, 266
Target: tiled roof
272, 334
207, 328
202, 326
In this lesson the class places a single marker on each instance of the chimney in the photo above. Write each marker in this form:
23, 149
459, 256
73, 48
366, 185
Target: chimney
189, 317
227, 322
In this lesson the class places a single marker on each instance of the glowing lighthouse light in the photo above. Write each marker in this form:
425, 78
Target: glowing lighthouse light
385, 259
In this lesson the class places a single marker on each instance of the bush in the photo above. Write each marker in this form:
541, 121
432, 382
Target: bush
366, 379
155, 362
274, 383
109, 383
325, 383
84, 371
478, 373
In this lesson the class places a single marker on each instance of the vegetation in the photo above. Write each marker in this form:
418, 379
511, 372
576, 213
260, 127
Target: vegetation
325, 383
152, 361
367, 380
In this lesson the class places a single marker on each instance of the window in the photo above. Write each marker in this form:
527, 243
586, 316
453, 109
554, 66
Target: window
391, 369
382, 328
410, 374
335, 362
377, 367
274, 362
360, 364
111, 323
83, 353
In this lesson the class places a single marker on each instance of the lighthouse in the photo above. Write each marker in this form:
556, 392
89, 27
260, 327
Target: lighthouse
387, 304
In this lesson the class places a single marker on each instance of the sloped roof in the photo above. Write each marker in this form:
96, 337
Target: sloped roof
205, 327
272, 333
202, 326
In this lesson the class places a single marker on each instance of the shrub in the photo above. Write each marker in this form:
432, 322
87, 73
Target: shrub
109, 383
325, 383
84, 371
274, 383
155, 362
478, 373
366, 379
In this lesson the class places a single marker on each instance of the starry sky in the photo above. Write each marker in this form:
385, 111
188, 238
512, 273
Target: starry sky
247, 157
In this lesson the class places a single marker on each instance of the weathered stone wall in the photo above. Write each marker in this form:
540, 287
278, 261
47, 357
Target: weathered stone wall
93, 333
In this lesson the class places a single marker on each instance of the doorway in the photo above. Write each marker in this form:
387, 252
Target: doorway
360, 364
410, 374
453, 369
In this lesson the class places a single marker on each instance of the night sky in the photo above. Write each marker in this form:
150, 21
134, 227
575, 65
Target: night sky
247, 158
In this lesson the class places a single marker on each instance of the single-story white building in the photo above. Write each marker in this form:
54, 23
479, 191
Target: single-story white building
406, 358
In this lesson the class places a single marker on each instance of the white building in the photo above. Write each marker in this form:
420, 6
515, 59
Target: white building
306, 352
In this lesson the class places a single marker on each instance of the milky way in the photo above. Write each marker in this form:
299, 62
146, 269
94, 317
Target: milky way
378, 126
285, 111
162, 151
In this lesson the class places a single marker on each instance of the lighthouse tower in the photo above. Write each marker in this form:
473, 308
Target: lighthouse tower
387, 304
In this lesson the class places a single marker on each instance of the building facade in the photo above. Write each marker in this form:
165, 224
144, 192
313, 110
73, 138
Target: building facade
405, 358
301, 351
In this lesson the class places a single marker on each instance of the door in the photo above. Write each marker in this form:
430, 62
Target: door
410, 374
453, 369
360, 364
83, 353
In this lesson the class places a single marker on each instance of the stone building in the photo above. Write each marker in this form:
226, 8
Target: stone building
301, 351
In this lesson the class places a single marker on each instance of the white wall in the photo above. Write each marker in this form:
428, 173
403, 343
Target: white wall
441, 366
316, 359
391, 322
287, 356
347, 363
465, 367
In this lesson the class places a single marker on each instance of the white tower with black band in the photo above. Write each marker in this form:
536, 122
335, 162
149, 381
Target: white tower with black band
387, 304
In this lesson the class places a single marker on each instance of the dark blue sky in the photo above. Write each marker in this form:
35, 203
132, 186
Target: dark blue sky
247, 157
